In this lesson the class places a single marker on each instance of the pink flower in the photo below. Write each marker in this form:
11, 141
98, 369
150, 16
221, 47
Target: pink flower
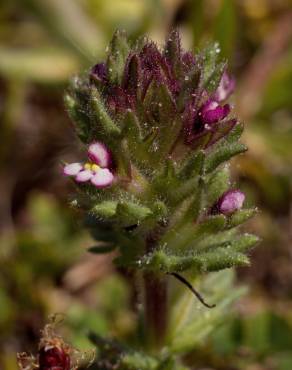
96, 170
230, 201
212, 112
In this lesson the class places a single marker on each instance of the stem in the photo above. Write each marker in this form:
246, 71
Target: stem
155, 301
155, 308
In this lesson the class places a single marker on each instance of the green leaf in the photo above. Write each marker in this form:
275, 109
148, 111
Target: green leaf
235, 133
106, 209
189, 84
101, 117
213, 69
80, 119
192, 206
180, 238
241, 216
221, 258
218, 183
213, 81
189, 323
172, 51
118, 53
193, 166
184, 190
244, 242
129, 213
223, 153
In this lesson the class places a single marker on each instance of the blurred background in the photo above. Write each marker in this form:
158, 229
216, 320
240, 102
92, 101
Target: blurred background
44, 266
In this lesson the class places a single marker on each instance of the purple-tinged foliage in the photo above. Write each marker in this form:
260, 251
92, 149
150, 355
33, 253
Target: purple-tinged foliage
181, 74
99, 72
163, 115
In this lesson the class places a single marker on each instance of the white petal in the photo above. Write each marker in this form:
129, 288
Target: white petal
99, 154
83, 176
102, 178
72, 169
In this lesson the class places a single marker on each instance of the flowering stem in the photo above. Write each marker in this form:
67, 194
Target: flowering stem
155, 308
155, 302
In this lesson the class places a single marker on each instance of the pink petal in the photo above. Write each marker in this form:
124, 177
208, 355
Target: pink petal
84, 176
99, 154
72, 169
231, 201
102, 178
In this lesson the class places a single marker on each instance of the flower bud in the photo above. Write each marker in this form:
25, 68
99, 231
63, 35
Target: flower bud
99, 72
212, 112
230, 201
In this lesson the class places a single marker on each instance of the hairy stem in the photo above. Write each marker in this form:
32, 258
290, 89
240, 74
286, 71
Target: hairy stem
155, 308
155, 301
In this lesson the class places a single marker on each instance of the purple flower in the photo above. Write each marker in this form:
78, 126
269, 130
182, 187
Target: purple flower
96, 171
212, 112
225, 88
99, 72
230, 201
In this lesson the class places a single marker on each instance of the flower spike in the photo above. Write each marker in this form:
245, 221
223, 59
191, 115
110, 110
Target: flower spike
164, 113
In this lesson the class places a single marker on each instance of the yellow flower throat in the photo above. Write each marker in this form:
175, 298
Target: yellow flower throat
91, 167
